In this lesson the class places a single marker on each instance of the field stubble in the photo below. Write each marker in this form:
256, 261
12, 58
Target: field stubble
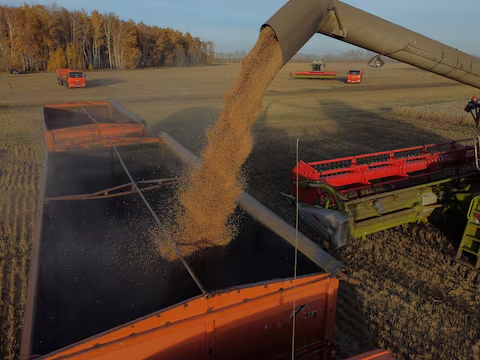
19, 173
417, 304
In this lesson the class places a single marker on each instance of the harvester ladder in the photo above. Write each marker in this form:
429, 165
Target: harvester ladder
471, 237
477, 151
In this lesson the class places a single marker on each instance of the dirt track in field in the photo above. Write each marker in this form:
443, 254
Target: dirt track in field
418, 304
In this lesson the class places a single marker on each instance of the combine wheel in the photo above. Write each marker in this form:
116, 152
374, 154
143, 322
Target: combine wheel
292, 76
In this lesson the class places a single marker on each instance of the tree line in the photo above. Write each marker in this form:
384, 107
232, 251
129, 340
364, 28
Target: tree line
46, 37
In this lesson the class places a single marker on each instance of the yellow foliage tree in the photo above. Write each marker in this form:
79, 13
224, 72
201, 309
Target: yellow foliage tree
31, 37
73, 59
57, 60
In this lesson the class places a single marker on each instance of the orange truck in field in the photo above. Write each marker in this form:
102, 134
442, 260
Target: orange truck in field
71, 78
355, 76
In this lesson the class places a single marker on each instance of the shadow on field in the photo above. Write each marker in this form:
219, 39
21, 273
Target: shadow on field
189, 126
94, 83
324, 86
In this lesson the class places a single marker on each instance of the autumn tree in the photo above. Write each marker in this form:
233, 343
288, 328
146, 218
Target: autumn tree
57, 60
12, 24
98, 39
38, 37
73, 60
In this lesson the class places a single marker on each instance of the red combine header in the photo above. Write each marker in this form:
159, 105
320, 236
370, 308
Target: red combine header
371, 171
71, 78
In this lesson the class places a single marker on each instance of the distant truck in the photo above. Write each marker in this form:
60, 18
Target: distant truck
355, 76
71, 78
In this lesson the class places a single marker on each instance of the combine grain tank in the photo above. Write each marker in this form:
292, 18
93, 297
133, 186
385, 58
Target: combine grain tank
99, 287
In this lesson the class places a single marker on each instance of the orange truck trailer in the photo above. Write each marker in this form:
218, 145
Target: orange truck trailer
355, 76
121, 300
71, 78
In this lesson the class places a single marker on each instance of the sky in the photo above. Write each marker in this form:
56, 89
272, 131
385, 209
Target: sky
234, 25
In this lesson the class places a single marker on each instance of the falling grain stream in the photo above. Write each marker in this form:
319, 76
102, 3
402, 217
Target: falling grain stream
205, 206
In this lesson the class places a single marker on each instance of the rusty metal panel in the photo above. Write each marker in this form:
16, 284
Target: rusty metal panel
90, 135
75, 125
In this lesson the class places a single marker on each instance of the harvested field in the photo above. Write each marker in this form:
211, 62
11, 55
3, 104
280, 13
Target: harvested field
417, 305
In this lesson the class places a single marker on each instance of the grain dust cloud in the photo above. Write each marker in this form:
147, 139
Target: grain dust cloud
211, 196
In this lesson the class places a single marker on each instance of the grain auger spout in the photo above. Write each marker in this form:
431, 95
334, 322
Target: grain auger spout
299, 20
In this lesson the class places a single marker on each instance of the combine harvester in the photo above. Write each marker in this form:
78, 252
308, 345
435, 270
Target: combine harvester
319, 71
356, 196
93, 293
